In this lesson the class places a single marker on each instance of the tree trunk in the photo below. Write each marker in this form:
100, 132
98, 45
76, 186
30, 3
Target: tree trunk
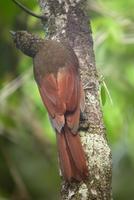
68, 21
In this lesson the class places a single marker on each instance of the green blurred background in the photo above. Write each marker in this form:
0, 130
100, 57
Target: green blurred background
28, 157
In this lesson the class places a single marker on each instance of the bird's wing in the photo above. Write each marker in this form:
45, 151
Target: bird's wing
61, 96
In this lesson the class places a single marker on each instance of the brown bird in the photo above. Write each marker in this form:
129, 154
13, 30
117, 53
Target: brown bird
56, 71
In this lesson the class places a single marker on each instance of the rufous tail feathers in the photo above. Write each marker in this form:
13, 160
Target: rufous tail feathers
71, 156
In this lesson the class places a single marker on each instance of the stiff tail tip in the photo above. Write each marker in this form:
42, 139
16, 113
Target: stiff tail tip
71, 156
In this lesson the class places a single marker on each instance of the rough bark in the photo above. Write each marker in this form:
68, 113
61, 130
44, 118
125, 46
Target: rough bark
68, 21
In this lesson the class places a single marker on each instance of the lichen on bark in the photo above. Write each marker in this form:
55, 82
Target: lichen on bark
67, 20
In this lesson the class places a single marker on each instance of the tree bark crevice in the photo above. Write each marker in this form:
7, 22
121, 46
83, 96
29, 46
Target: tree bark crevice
68, 21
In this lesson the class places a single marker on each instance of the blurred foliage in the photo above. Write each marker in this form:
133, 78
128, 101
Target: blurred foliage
28, 158
113, 33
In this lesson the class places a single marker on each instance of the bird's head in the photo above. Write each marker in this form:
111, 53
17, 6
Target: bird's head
28, 43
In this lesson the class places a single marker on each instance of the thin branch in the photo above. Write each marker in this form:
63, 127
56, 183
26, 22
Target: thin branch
42, 17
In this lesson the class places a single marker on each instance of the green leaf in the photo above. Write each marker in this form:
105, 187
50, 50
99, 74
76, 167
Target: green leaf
103, 95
